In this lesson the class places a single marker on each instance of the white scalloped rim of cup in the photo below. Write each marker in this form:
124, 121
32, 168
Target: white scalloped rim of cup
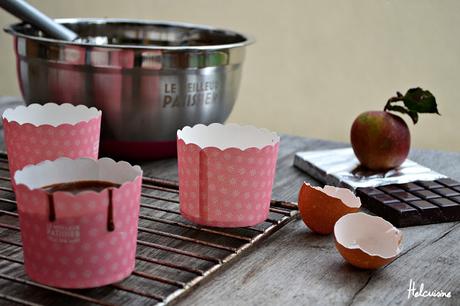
66, 170
224, 136
51, 114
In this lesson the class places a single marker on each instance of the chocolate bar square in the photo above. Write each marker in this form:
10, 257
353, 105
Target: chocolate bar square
402, 214
429, 184
427, 194
405, 196
390, 188
446, 192
448, 182
449, 208
429, 212
411, 187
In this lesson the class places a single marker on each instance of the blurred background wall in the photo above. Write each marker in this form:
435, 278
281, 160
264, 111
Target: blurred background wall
316, 64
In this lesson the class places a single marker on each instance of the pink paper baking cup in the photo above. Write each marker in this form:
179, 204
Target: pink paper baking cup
226, 174
45, 132
76, 246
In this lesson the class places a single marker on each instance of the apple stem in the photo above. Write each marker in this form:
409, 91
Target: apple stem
397, 98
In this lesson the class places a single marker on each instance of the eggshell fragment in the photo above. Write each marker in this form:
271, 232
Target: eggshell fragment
366, 241
320, 207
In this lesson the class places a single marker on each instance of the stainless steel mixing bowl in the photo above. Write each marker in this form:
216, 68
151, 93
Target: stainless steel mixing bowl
149, 78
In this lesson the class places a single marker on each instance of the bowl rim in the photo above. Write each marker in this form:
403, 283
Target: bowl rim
247, 39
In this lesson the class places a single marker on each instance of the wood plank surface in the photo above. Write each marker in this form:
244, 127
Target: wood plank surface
297, 267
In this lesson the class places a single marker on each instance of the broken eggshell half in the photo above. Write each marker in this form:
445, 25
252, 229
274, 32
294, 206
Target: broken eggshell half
366, 241
320, 208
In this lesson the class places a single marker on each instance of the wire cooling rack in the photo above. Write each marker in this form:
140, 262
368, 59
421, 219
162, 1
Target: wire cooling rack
173, 255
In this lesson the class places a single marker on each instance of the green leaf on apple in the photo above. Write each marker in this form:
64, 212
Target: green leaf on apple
420, 101
416, 101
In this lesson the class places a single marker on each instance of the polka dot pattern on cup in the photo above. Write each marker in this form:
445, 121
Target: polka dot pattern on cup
77, 250
29, 144
229, 188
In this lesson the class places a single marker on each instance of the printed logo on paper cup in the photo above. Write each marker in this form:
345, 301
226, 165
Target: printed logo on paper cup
63, 233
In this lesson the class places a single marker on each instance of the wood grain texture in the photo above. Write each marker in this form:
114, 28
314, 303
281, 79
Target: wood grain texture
297, 267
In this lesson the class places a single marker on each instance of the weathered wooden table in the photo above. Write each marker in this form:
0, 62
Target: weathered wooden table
297, 267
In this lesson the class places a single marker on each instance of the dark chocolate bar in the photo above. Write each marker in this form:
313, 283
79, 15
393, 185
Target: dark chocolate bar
417, 203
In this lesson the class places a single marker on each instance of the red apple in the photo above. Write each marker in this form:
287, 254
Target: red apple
380, 140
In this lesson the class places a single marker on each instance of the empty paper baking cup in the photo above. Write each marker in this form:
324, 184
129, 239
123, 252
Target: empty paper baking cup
226, 173
46, 132
79, 240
